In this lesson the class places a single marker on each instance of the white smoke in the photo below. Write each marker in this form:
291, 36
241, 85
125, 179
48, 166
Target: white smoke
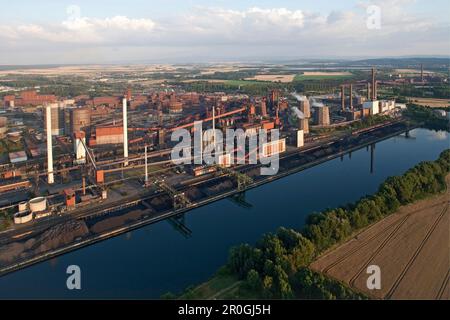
298, 113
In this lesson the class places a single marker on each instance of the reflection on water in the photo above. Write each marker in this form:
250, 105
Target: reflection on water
150, 261
437, 135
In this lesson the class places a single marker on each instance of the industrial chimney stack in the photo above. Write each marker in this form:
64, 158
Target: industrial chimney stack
125, 131
374, 89
421, 72
48, 117
351, 96
343, 98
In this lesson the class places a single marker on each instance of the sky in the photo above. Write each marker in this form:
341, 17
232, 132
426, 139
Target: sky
134, 31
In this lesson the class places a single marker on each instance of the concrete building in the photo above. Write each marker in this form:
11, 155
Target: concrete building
18, 156
300, 139
29, 98
372, 107
322, 115
108, 135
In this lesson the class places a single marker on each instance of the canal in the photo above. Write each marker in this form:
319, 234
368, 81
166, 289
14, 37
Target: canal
150, 261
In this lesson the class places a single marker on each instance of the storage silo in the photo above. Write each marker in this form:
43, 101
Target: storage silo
80, 120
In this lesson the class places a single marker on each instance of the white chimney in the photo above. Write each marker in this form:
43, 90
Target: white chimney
125, 131
146, 169
48, 118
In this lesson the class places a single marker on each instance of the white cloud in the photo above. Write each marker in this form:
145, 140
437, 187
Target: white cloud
280, 31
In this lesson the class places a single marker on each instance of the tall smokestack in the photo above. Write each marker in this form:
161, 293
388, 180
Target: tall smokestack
351, 96
373, 85
368, 90
343, 98
421, 72
125, 131
48, 120
376, 90
214, 127
146, 169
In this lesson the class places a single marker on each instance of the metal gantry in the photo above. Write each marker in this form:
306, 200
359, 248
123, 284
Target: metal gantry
179, 199
241, 179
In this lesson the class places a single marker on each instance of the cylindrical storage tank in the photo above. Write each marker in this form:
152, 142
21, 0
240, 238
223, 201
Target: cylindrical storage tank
38, 204
22, 206
23, 217
175, 107
80, 120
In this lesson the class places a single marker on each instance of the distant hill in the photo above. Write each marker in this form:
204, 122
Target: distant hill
429, 63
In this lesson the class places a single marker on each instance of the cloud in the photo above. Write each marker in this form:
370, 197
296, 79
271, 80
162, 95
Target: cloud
252, 31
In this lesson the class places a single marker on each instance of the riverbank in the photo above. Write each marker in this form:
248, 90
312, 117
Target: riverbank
279, 266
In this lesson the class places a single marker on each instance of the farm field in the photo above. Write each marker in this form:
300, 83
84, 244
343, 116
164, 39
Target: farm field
411, 248
283, 78
430, 102
320, 75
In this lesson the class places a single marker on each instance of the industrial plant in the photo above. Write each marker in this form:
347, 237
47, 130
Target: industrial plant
75, 149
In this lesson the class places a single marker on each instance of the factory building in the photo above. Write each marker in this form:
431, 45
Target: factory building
300, 139
8, 101
274, 147
107, 135
112, 102
29, 98
371, 108
322, 115
18, 156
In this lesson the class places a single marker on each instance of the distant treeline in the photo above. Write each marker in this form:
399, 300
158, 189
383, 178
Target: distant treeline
427, 118
436, 91
276, 267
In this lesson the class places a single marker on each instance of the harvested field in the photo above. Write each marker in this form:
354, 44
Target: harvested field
414, 71
284, 78
411, 247
322, 73
430, 102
